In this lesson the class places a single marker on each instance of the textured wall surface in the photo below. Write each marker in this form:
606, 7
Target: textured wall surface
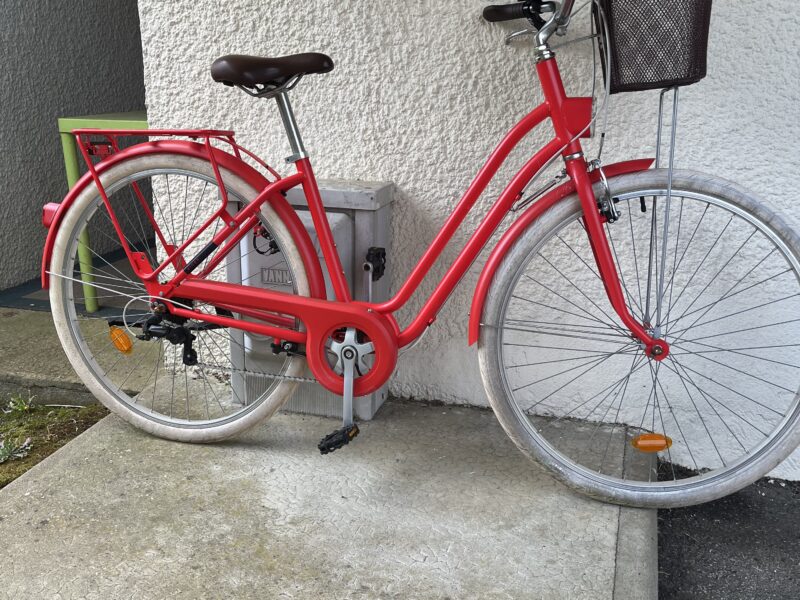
421, 92
59, 59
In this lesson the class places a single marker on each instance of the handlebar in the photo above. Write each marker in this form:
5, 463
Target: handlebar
494, 13
531, 9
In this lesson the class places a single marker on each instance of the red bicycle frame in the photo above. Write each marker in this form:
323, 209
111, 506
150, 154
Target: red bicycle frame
570, 117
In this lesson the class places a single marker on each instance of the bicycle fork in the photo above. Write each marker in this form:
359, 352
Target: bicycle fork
655, 348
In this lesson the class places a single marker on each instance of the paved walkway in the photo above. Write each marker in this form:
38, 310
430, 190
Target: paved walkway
429, 502
31, 358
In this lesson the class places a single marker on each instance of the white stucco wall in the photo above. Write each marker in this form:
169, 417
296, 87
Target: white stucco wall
59, 59
421, 92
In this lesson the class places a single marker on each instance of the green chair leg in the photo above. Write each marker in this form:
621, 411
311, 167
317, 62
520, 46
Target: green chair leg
84, 249
85, 261
130, 120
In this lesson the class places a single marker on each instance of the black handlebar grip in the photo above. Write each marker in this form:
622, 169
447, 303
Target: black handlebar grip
494, 13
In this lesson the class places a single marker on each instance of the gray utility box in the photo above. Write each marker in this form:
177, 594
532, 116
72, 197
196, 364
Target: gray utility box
359, 214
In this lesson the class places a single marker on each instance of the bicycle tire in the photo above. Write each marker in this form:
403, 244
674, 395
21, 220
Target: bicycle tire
526, 429
86, 362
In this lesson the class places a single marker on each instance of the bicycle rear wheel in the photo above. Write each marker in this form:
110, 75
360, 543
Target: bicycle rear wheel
235, 380
577, 393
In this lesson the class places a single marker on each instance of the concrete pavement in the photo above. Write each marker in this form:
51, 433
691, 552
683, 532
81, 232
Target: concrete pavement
32, 361
429, 502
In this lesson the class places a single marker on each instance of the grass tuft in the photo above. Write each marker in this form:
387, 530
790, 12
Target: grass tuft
31, 432
10, 450
19, 404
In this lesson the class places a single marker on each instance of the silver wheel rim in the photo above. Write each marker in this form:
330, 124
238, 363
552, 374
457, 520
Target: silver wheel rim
205, 373
704, 476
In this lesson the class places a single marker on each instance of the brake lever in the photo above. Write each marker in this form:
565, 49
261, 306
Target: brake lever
517, 34
535, 20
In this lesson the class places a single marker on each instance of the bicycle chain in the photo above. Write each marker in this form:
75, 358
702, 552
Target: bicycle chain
257, 374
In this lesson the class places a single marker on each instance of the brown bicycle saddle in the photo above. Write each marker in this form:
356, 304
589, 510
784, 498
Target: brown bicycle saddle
249, 71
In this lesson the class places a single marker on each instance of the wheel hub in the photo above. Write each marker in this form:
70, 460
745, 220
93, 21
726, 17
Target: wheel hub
659, 350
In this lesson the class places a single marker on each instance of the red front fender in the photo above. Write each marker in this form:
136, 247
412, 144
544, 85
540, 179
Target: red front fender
52, 218
522, 223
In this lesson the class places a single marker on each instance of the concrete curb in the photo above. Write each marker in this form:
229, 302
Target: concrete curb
45, 391
636, 565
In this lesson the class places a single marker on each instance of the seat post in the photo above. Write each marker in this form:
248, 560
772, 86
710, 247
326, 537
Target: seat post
290, 125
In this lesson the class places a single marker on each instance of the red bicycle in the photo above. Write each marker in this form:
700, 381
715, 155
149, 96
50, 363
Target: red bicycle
632, 323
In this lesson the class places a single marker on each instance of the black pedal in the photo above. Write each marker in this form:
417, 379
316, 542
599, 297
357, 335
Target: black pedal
337, 439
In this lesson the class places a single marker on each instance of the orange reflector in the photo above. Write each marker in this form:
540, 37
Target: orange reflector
651, 442
120, 339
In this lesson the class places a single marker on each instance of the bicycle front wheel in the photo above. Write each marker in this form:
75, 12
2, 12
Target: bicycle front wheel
233, 380
576, 392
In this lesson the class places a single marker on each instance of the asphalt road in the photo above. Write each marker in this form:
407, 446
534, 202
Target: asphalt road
744, 546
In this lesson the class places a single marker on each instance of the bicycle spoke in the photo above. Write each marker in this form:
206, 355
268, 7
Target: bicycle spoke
730, 389
205, 380
547, 347
702, 262
680, 429
717, 274
610, 387
633, 368
156, 215
586, 361
555, 333
705, 407
173, 230
580, 291
636, 268
728, 294
555, 361
579, 257
740, 371
588, 267
631, 301
213, 393
717, 349
671, 282
596, 363
561, 310
665, 398
706, 395
700, 416
739, 313
651, 260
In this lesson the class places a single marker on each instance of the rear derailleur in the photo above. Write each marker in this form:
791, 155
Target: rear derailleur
162, 325
155, 326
